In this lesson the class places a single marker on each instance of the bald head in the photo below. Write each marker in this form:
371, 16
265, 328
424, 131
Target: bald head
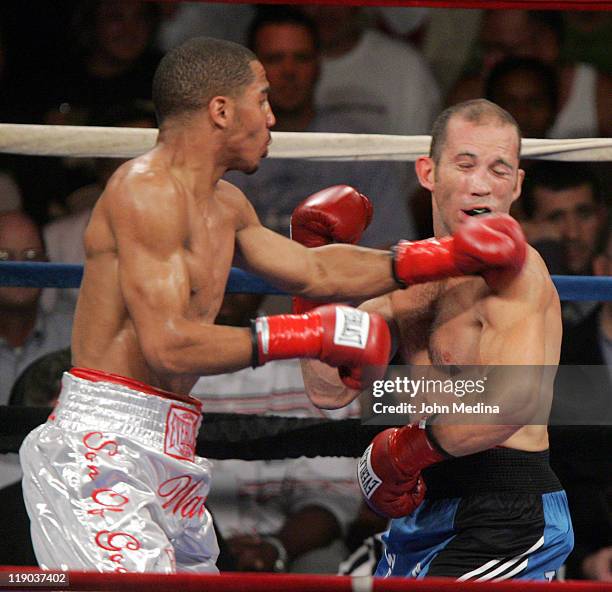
477, 111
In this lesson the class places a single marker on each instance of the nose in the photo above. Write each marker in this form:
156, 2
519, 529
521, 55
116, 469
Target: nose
270, 119
571, 227
479, 184
288, 67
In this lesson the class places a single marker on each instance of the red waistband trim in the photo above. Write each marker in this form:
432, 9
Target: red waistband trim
142, 387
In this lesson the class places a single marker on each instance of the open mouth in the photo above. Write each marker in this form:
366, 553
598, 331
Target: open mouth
476, 211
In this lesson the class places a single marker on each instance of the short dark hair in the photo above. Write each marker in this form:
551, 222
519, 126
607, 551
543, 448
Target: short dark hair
557, 176
476, 111
190, 75
281, 15
545, 73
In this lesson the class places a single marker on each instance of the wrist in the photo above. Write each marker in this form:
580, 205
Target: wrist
282, 558
282, 337
416, 447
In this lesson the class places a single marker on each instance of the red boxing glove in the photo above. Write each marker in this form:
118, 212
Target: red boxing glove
338, 214
356, 342
481, 245
389, 472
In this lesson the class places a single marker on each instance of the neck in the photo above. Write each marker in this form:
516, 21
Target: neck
17, 325
195, 154
605, 320
439, 227
293, 121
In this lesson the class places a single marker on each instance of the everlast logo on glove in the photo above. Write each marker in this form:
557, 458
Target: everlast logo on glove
352, 327
368, 479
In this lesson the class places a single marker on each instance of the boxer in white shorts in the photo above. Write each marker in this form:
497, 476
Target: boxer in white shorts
113, 480
112, 483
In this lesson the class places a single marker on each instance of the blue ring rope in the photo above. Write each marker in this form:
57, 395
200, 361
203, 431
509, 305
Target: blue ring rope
62, 275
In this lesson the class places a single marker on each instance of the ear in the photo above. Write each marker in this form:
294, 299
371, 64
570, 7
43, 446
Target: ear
220, 110
516, 192
425, 170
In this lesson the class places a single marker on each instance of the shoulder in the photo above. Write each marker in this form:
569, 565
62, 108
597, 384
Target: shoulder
144, 175
531, 291
535, 279
146, 189
144, 199
236, 201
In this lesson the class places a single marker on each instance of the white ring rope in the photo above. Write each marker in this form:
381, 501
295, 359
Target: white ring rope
90, 141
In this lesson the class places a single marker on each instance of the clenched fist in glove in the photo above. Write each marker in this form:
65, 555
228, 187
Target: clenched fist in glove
480, 245
356, 342
389, 472
338, 214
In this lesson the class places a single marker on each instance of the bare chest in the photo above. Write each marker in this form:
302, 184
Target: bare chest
444, 327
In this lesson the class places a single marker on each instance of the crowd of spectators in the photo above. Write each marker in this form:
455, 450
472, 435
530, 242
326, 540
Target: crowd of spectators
331, 69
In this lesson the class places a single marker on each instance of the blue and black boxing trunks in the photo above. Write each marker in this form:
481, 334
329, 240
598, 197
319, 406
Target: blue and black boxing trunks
490, 516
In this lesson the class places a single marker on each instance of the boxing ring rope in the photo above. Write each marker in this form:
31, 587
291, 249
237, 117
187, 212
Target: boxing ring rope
64, 275
92, 141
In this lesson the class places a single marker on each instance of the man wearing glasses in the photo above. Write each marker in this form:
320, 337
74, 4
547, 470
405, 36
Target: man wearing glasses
26, 332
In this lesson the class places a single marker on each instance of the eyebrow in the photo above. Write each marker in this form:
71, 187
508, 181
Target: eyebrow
501, 161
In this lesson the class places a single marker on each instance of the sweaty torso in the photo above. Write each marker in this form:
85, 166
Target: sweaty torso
441, 324
104, 334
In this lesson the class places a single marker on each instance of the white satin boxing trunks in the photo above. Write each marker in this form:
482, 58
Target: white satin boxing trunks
111, 481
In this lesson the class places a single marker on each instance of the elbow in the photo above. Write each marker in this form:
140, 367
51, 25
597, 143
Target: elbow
163, 356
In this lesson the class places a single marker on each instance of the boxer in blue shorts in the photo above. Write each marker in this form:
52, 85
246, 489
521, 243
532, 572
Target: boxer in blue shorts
471, 500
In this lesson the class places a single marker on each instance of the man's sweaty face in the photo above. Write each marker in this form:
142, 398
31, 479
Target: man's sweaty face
477, 172
254, 118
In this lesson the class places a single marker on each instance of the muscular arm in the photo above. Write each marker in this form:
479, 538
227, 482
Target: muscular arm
149, 220
322, 383
521, 327
330, 273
